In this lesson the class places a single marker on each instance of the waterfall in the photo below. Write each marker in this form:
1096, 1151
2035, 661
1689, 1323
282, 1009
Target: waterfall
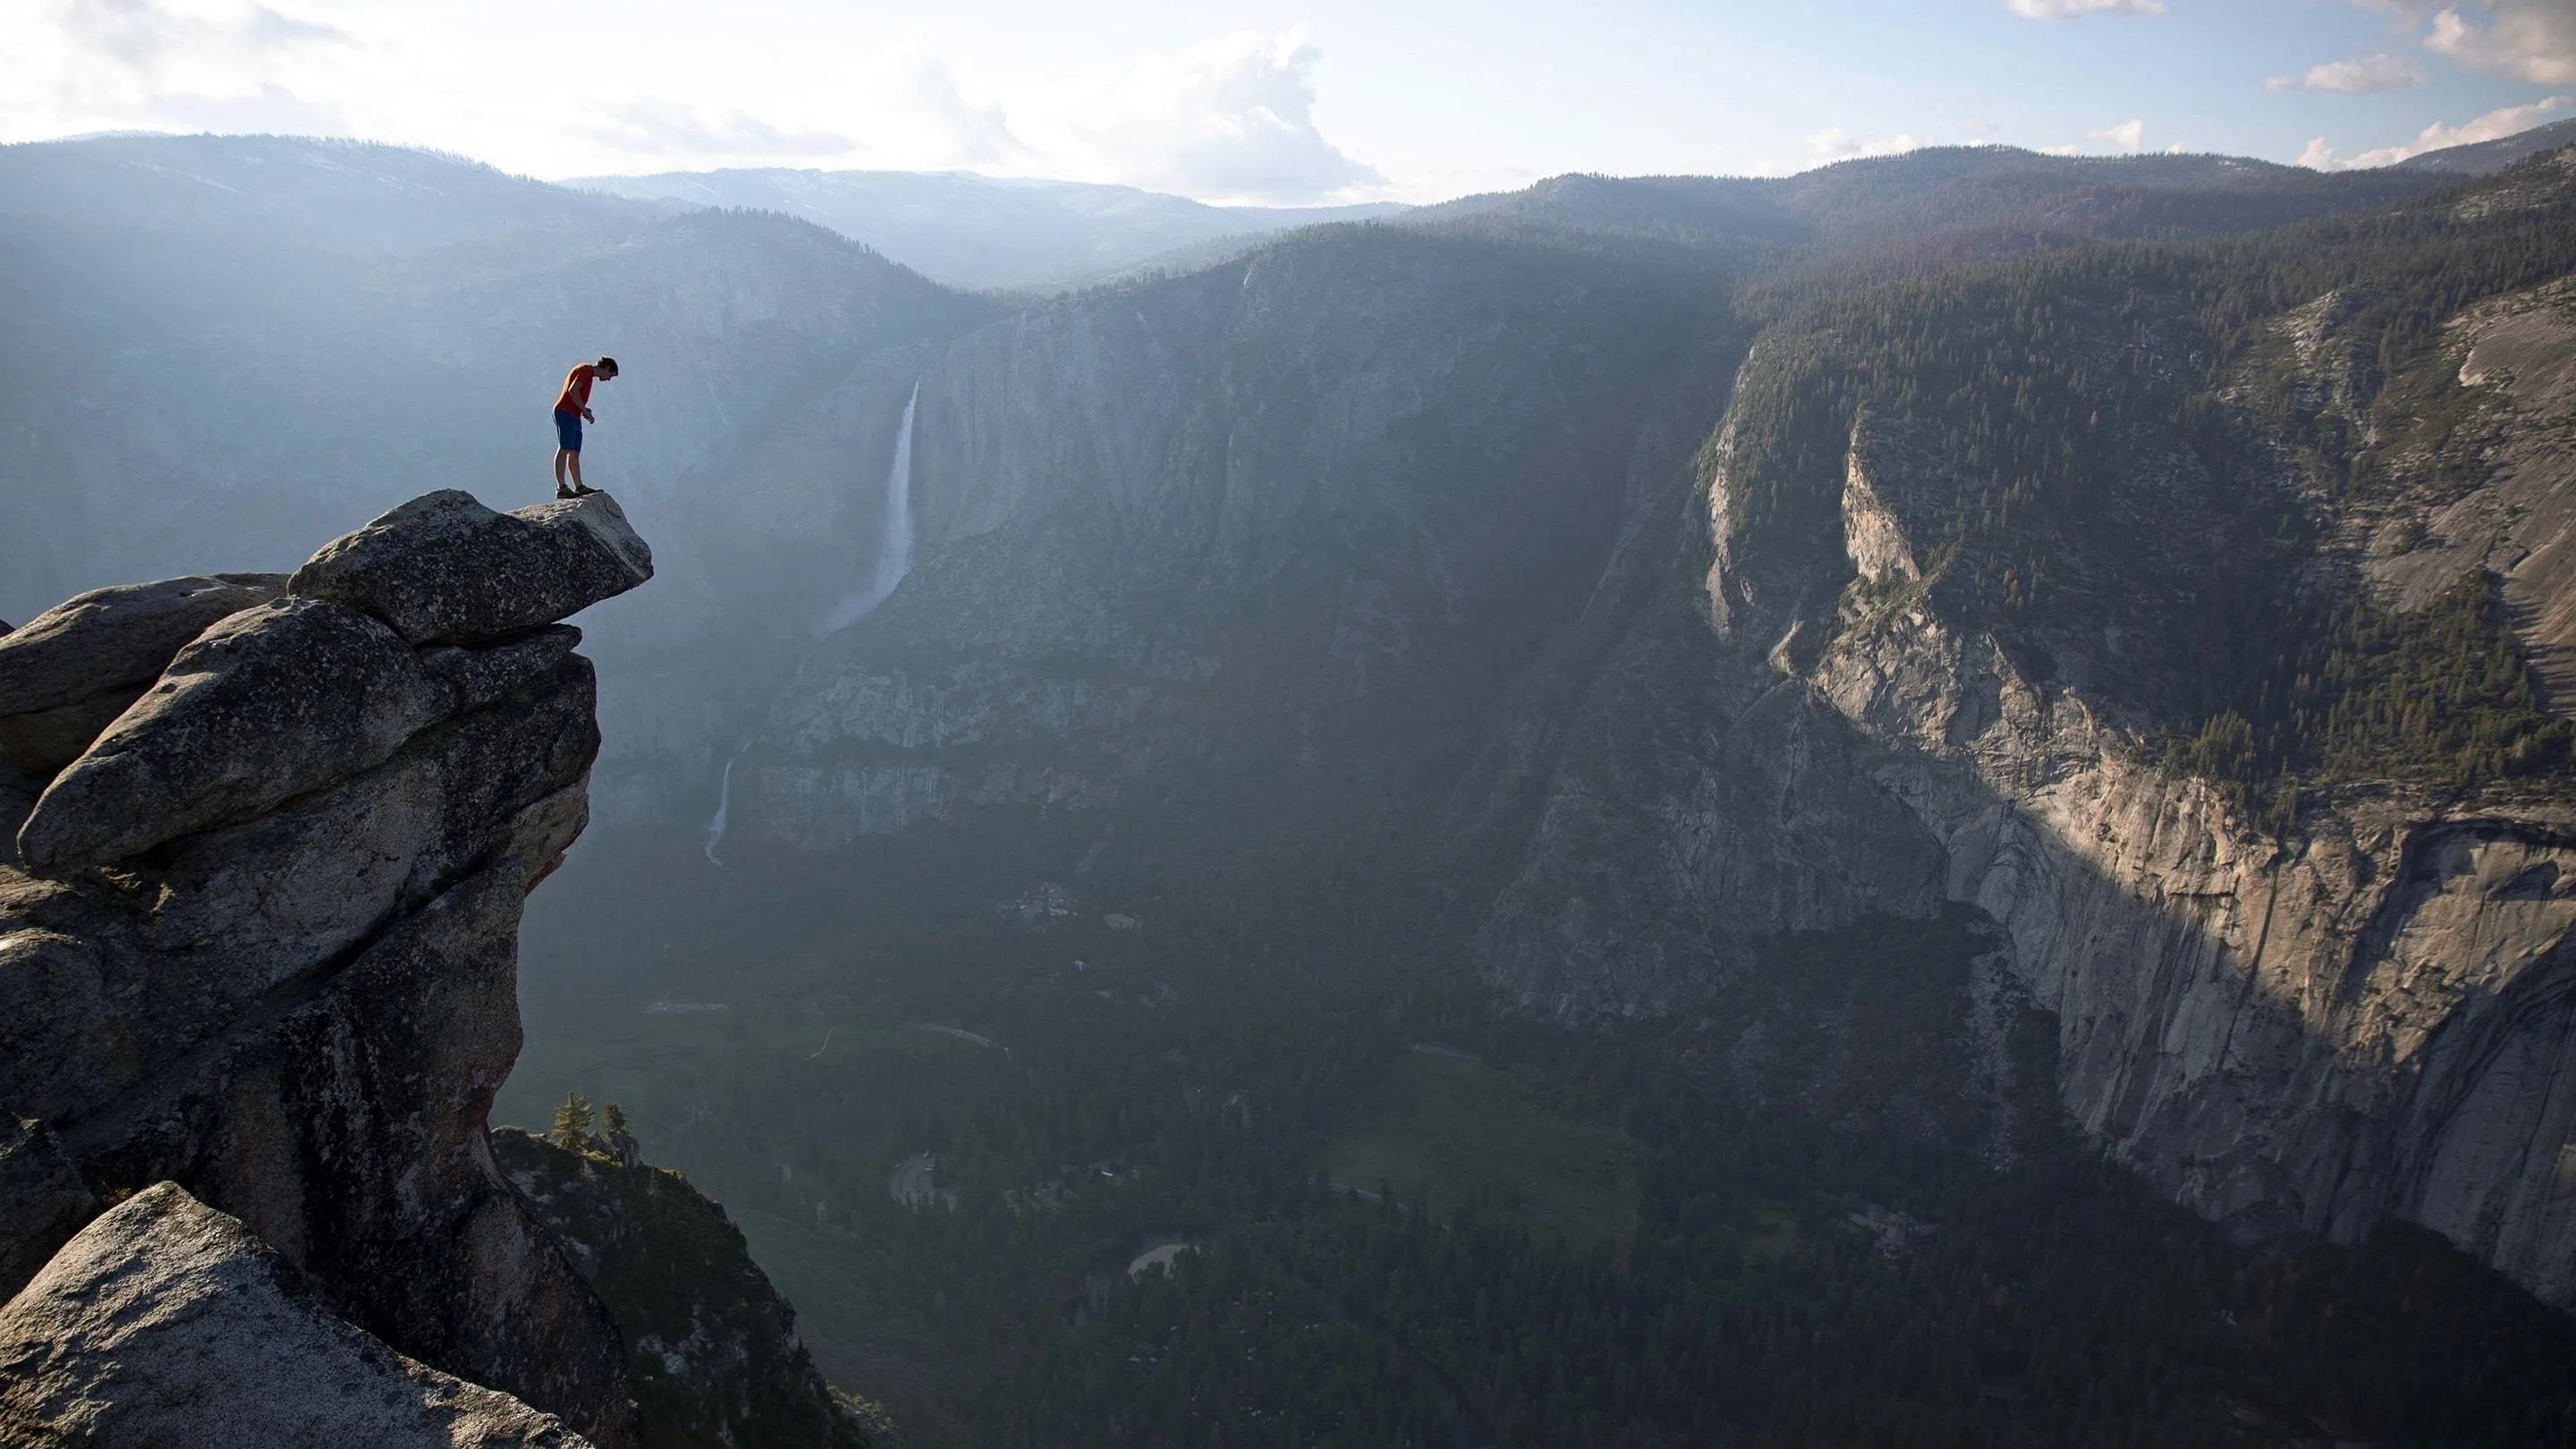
894, 560
724, 809
894, 551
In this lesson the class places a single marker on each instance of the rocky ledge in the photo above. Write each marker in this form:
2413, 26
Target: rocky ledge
264, 843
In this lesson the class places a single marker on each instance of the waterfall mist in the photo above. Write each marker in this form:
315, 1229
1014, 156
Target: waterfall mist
894, 549
724, 811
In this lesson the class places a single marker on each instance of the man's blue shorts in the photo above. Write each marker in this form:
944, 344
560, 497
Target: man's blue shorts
568, 432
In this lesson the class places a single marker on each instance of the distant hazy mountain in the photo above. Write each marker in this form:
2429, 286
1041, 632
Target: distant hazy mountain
1974, 650
1944, 202
221, 347
2487, 157
981, 231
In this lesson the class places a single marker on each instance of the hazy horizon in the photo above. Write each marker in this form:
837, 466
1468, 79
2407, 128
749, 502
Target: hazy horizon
1325, 103
1876, 746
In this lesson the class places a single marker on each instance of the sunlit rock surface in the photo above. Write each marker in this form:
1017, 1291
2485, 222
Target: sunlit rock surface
444, 569
167, 1325
2290, 1032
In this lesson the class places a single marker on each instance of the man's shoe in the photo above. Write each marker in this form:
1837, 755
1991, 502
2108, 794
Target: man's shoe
584, 490
564, 490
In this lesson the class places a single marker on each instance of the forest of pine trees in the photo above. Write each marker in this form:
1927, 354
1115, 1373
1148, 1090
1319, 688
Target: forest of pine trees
2041, 384
1185, 1084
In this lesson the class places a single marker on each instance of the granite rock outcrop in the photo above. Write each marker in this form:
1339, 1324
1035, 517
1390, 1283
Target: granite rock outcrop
2294, 1020
444, 569
78, 665
146, 1329
712, 1350
258, 945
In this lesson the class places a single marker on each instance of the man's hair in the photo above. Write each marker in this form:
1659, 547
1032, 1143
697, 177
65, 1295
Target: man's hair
608, 365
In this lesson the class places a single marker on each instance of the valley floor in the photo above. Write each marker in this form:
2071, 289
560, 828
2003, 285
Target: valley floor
1413, 1222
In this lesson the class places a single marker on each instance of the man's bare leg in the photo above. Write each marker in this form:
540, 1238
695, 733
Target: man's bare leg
560, 455
576, 471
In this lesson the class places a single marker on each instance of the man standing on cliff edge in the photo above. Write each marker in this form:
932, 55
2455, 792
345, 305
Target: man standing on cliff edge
572, 409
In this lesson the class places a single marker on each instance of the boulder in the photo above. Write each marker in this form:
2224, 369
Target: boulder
167, 1323
75, 667
105, 638
49, 739
18, 791
483, 677
265, 706
291, 1001
106, 992
444, 569
64, 1033
43, 1199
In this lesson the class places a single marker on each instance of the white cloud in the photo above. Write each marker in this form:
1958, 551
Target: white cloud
1826, 147
2366, 76
655, 127
1228, 119
1235, 118
977, 135
2493, 126
227, 65
143, 36
2072, 9
2128, 136
2533, 40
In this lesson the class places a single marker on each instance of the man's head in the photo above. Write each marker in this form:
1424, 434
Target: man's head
605, 367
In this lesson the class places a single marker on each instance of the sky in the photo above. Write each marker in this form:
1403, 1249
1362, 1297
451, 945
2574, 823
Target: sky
1294, 101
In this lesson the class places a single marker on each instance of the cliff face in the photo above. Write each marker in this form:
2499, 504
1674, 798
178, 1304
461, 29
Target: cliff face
2292, 1035
269, 840
260, 936
1268, 525
2293, 1021
2301, 1027
712, 1353
2357, 1011
166, 1322
1838, 666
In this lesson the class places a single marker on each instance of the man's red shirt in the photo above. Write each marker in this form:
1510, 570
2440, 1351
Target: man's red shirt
576, 389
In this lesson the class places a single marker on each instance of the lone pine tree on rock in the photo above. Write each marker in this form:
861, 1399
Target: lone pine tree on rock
572, 1123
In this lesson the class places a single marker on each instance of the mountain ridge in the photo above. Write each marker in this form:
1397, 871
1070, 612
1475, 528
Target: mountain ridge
2485, 158
986, 232
1782, 603
1953, 668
